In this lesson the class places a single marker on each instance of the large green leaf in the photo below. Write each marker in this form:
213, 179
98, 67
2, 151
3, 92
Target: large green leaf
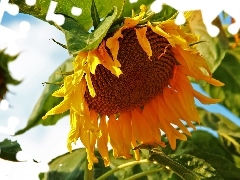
213, 49
76, 28
79, 39
205, 146
47, 101
9, 150
228, 73
40, 9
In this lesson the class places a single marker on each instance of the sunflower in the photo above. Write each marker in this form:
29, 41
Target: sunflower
132, 86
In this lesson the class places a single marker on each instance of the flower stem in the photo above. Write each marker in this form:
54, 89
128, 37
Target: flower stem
88, 174
104, 176
144, 174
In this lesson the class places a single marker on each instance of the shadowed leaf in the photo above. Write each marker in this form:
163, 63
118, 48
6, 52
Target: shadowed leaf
9, 150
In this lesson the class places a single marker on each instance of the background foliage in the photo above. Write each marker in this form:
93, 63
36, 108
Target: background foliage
202, 156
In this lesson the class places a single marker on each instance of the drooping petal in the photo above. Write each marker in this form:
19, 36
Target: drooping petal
143, 41
103, 141
60, 108
204, 99
78, 98
132, 22
113, 43
141, 129
93, 61
76, 122
89, 84
89, 140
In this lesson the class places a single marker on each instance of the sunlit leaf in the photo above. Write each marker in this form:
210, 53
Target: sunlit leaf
213, 49
9, 150
47, 101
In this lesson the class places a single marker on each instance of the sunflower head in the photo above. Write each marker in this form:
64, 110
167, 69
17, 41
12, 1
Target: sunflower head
134, 86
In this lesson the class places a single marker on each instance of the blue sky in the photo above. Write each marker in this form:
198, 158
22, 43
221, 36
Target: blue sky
38, 59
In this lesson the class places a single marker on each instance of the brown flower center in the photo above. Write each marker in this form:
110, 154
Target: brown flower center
142, 79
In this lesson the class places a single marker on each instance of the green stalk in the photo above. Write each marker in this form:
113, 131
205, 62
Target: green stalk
143, 174
104, 176
88, 174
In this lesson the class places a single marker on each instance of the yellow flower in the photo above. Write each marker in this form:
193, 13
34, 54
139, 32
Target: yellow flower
131, 87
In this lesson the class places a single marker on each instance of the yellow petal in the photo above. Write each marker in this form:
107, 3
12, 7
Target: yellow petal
93, 61
60, 108
89, 84
116, 138
78, 98
103, 141
107, 61
76, 123
80, 61
89, 140
113, 44
143, 41
153, 122
126, 130
67, 87
132, 22
60, 92
204, 99
159, 31
141, 129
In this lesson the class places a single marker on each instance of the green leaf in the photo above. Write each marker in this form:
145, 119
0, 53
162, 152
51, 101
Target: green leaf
200, 167
213, 49
166, 13
95, 16
229, 132
40, 9
127, 172
204, 145
228, 73
9, 150
219, 123
76, 28
47, 101
72, 166
158, 156
80, 40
